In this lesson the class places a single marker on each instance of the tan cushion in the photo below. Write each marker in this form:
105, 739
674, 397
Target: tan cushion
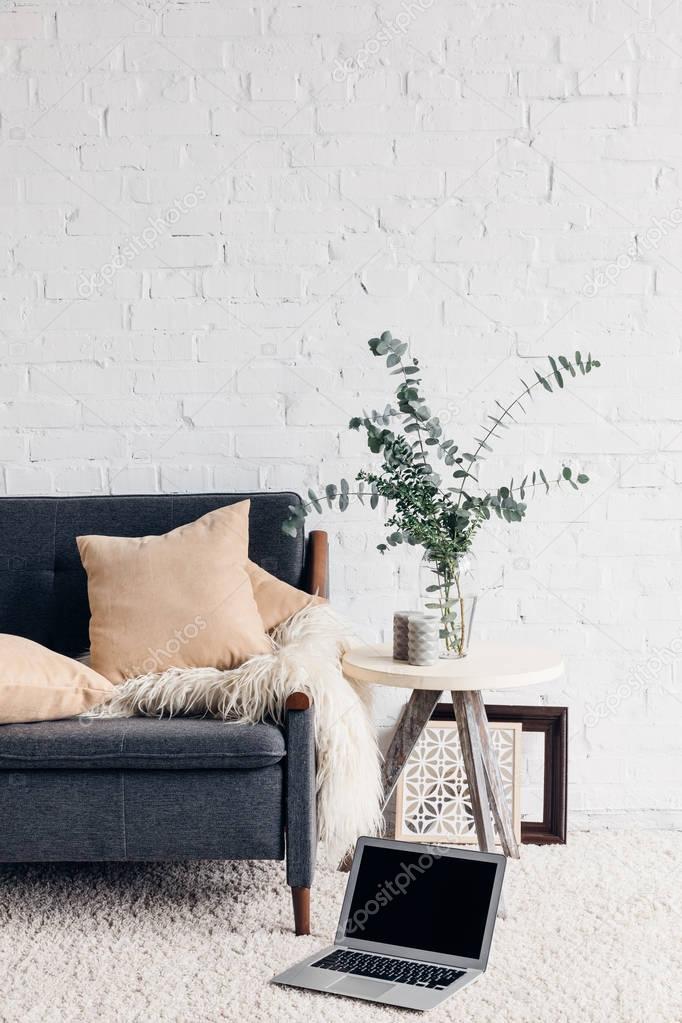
276, 600
182, 600
37, 684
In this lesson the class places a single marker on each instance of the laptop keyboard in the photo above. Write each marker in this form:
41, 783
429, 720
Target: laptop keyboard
398, 971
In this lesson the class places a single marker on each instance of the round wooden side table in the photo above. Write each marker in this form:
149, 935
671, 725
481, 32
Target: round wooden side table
486, 666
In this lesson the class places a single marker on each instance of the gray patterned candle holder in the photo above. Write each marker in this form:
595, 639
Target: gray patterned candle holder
400, 637
423, 639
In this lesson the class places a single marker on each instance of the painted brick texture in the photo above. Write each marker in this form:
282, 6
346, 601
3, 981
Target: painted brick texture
207, 208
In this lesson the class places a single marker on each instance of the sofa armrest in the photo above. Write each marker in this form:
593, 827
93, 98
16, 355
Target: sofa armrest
317, 568
301, 814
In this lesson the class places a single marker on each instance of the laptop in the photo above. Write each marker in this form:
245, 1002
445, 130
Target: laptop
416, 925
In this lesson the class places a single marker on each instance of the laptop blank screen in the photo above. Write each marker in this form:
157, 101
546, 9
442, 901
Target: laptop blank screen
417, 900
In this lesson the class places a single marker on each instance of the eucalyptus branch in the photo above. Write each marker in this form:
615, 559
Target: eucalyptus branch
556, 375
299, 512
565, 476
483, 444
415, 419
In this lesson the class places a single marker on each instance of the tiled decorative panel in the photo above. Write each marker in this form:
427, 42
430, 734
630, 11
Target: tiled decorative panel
433, 803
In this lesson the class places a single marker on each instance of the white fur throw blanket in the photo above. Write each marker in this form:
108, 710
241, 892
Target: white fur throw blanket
306, 657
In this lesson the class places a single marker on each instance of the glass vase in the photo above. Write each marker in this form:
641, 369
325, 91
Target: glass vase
449, 589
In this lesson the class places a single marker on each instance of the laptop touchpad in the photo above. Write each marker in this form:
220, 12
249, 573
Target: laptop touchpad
360, 987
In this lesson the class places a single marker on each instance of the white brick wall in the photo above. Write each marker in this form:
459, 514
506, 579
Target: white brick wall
260, 188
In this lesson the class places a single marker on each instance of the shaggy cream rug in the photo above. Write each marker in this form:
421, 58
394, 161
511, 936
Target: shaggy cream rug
593, 933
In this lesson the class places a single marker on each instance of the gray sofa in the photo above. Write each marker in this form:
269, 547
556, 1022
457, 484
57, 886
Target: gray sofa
144, 789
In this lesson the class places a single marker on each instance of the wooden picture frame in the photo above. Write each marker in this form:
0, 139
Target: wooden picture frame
552, 722
433, 784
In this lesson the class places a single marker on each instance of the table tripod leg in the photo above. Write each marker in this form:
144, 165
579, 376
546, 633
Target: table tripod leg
472, 754
493, 777
415, 716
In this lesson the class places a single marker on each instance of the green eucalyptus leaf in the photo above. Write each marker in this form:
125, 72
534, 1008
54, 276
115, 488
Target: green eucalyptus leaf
543, 380
315, 501
374, 499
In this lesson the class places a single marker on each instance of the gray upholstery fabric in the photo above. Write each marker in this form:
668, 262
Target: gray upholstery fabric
205, 814
60, 815
43, 587
146, 815
140, 743
300, 806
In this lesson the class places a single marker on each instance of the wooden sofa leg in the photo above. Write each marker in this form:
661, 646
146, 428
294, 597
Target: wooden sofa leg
301, 900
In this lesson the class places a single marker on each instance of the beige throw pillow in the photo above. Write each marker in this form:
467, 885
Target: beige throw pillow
276, 600
182, 600
37, 684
